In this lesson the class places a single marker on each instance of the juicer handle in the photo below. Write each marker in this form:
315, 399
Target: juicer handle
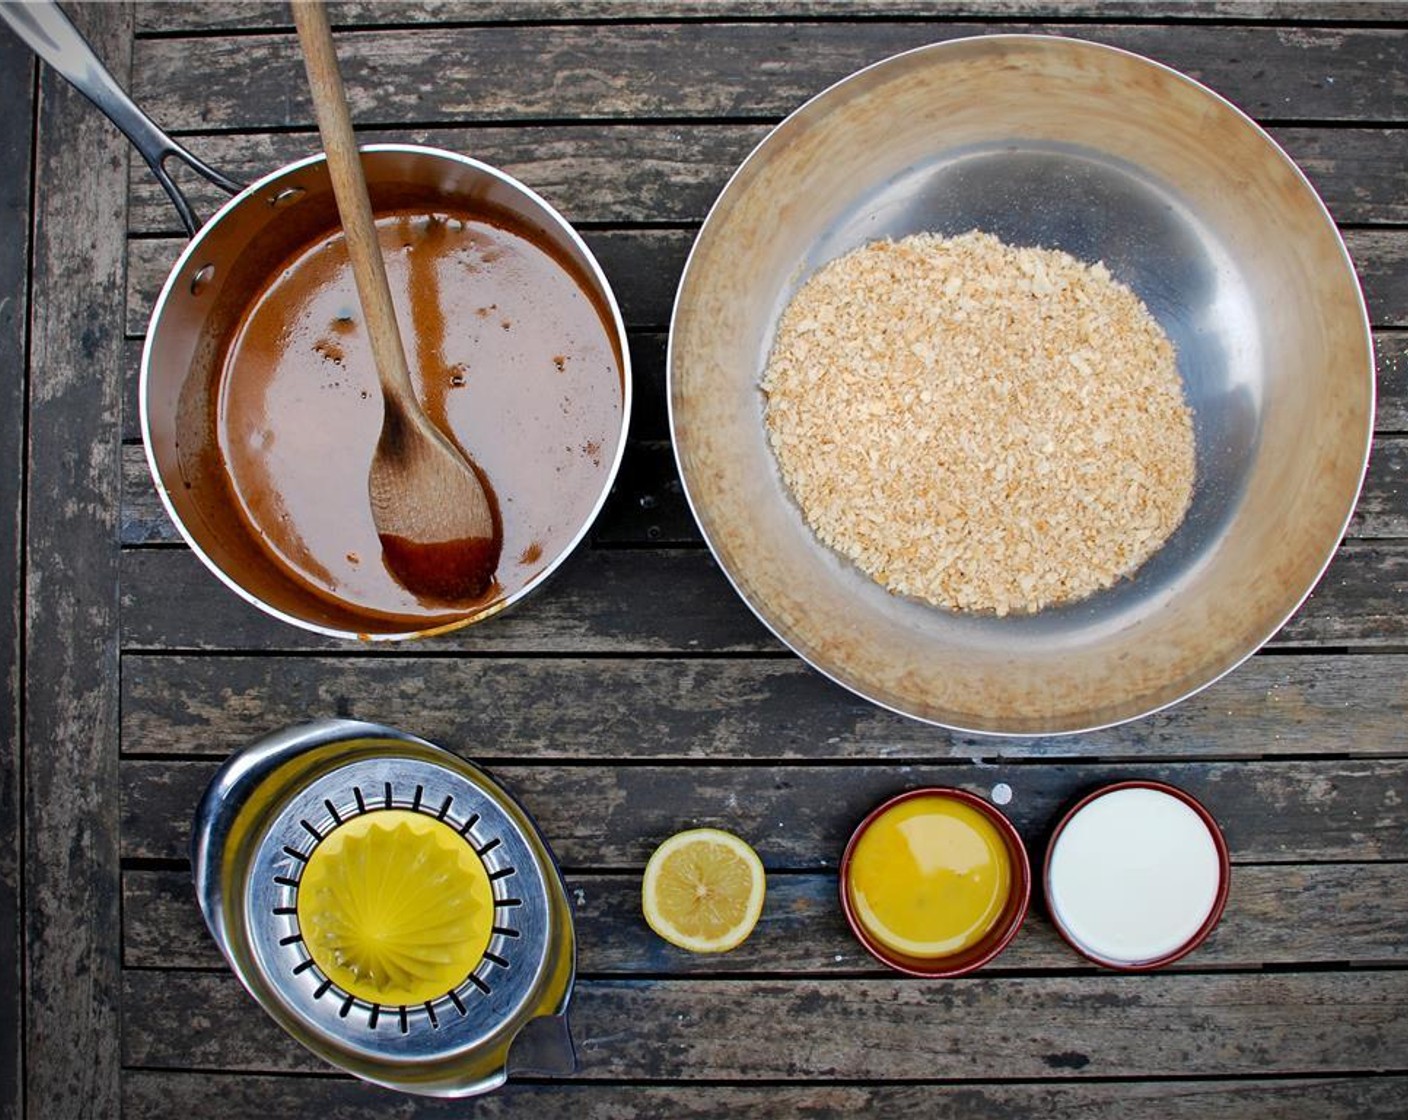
47, 31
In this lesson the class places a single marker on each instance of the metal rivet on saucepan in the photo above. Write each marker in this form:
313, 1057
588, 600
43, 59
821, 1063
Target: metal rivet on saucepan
201, 280
287, 195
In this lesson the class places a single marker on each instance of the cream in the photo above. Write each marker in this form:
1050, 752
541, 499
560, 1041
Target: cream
1133, 876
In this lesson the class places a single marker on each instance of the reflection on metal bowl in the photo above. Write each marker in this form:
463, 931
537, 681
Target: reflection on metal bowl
1108, 156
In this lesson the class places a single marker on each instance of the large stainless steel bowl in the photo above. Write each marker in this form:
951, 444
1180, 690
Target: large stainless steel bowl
1068, 145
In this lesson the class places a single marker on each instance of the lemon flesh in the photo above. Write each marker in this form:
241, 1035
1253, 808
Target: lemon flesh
395, 907
703, 890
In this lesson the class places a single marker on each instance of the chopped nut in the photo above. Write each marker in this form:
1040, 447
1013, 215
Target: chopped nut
981, 426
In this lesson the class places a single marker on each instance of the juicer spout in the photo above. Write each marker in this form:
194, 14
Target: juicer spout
544, 1047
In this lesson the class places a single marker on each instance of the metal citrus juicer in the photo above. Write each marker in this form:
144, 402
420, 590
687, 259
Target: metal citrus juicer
390, 905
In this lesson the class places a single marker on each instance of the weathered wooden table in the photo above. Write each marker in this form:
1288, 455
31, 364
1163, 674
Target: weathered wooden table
636, 694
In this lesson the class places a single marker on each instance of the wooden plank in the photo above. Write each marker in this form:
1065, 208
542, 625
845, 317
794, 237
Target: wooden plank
799, 817
1359, 601
1391, 350
1383, 503
644, 267
733, 708
647, 503
1051, 1028
70, 685
16, 139
143, 518
1356, 171
666, 601
745, 70
160, 17
1381, 260
603, 173
215, 1096
1297, 915
643, 602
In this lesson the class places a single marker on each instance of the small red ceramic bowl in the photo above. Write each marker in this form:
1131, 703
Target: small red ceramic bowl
998, 835
1136, 875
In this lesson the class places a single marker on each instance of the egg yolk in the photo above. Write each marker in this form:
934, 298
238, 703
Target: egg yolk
929, 877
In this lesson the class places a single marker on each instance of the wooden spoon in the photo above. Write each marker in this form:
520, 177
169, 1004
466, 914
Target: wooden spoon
440, 534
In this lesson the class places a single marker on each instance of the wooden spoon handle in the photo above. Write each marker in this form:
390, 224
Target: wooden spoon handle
349, 185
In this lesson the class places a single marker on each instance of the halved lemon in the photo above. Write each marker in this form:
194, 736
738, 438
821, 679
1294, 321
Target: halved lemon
703, 890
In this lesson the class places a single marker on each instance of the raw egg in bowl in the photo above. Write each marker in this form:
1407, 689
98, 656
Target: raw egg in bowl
935, 882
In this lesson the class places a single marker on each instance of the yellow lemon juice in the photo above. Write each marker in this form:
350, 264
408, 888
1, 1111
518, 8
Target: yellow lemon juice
929, 877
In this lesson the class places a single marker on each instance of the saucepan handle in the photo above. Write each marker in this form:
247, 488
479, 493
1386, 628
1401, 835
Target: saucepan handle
47, 31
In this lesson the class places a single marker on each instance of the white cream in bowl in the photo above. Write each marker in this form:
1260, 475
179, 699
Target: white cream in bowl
1133, 876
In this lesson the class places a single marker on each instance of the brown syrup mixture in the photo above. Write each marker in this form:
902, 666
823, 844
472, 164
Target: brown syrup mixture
511, 359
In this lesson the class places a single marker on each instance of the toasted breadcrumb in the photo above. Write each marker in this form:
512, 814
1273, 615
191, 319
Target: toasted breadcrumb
984, 427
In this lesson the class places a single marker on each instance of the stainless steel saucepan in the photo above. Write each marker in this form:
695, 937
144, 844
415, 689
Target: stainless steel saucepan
222, 269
